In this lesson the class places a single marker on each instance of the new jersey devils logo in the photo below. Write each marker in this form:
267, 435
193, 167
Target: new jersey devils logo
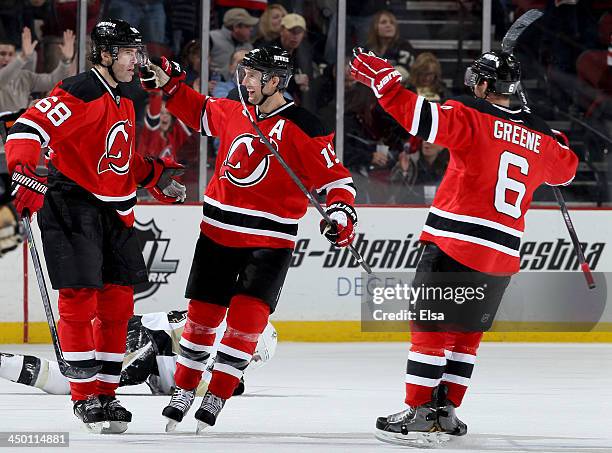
118, 149
247, 161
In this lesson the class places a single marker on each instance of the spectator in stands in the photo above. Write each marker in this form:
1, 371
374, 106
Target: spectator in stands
385, 41
426, 76
254, 7
270, 24
184, 23
372, 140
162, 134
234, 35
222, 89
293, 30
17, 83
191, 60
148, 16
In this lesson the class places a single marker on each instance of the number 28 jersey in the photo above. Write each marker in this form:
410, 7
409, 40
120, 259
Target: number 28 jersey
498, 158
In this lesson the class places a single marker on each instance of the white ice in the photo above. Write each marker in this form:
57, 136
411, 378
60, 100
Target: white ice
326, 397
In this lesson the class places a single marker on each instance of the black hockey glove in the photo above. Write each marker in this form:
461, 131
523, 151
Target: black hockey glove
162, 75
166, 188
342, 231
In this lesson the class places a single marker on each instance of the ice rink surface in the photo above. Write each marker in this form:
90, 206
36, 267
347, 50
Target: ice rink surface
326, 397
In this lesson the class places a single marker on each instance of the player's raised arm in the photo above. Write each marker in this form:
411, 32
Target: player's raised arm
446, 125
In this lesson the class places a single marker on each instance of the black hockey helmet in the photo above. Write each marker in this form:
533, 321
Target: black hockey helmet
500, 69
112, 34
270, 61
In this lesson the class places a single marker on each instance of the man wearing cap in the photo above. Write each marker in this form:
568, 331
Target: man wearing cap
293, 31
234, 35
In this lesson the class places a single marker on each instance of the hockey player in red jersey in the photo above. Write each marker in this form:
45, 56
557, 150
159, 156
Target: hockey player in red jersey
499, 156
250, 220
86, 211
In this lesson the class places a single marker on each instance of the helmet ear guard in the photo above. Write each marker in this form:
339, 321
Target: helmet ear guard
500, 69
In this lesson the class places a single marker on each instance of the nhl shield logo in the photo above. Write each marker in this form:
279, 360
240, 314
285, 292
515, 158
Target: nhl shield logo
247, 161
118, 149
154, 249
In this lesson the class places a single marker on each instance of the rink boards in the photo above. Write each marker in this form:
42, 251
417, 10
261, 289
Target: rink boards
321, 299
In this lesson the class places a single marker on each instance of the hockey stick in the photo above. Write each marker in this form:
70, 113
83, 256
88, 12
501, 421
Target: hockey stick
66, 369
508, 43
295, 178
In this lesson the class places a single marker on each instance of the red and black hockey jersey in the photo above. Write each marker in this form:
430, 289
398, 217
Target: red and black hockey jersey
498, 158
89, 129
250, 200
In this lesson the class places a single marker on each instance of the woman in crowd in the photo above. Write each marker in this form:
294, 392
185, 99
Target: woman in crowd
385, 41
426, 76
270, 24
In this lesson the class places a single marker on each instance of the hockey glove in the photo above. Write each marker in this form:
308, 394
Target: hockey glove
374, 72
161, 74
344, 220
167, 189
29, 190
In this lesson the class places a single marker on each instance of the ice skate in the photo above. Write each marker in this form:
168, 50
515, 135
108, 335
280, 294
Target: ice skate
447, 419
180, 403
115, 414
239, 390
416, 427
90, 412
209, 411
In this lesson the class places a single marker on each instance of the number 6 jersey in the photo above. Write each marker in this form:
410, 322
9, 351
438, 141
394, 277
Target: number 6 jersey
498, 159
250, 200
89, 129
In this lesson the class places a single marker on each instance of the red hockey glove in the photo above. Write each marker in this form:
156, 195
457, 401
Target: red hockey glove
167, 189
161, 74
374, 72
29, 189
342, 231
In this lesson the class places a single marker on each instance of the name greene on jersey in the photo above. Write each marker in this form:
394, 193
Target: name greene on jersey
89, 130
498, 158
250, 200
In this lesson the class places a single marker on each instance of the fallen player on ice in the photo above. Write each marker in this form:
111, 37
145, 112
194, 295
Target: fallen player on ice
150, 357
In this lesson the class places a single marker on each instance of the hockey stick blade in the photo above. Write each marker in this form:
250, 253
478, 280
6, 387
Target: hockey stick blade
65, 368
517, 28
294, 177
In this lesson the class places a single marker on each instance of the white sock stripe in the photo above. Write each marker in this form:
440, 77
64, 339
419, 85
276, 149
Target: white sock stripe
418, 380
460, 357
194, 346
227, 369
426, 358
416, 118
111, 378
79, 355
191, 363
456, 379
110, 356
234, 352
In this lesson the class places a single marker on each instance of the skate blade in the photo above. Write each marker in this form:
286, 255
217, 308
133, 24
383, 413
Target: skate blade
413, 439
94, 428
115, 428
201, 427
171, 425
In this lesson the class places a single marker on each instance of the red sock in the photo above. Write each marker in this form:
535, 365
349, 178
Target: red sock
76, 310
114, 309
196, 342
460, 349
247, 317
